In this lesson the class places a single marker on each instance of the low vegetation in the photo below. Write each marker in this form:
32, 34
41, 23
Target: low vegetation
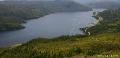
70, 46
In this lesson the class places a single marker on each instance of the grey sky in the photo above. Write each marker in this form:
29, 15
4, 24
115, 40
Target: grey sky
87, 1
83, 1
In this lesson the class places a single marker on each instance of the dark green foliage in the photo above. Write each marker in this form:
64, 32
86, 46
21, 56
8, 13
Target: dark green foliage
10, 23
110, 22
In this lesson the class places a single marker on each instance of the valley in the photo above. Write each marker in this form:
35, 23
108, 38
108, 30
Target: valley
59, 29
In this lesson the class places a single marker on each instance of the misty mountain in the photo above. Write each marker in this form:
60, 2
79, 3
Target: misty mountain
105, 4
57, 5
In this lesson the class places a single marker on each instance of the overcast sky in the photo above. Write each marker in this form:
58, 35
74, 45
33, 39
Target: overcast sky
86, 1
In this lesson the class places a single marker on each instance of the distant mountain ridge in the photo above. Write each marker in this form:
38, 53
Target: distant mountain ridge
37, 0
105, 4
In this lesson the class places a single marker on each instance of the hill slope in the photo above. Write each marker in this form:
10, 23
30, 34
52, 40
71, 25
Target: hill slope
66, 46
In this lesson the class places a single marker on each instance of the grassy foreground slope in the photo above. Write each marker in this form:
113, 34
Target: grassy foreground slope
66, 46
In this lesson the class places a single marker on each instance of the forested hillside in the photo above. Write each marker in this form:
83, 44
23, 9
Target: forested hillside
14, 13
110, 22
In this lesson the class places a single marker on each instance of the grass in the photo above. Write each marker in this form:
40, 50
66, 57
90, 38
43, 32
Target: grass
101, 44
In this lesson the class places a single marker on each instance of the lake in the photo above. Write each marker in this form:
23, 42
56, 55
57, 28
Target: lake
50, 26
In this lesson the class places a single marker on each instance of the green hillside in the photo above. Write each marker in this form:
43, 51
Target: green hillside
66, 46
110, 22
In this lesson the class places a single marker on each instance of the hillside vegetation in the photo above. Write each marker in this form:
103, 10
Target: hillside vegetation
110, 22
67, 46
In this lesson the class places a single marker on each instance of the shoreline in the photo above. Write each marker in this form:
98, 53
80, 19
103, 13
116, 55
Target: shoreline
35, 18
80, 35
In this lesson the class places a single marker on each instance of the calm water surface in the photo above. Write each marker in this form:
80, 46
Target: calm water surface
49, 26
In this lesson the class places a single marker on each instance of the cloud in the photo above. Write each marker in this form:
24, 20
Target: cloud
79, 1
89, 1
